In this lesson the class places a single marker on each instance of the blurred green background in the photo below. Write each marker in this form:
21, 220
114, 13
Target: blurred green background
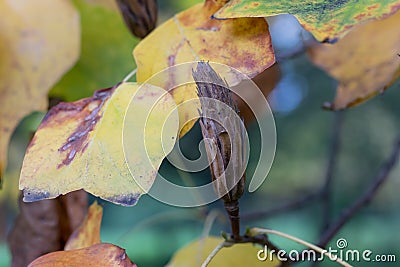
151, 231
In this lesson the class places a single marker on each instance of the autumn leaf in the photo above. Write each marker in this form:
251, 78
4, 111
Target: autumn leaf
326, 20
88, 233
45, 226
40, 41
364, 62
107, 255
106, 46
84, 248
238, 255
79, 146
192, 35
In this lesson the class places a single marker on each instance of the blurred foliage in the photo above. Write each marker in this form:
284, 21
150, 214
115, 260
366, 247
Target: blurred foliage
168, 8
105, 54
152, 232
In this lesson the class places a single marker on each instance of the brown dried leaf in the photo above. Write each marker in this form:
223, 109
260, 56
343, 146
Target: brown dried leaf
88, 233
104, 255
45, 226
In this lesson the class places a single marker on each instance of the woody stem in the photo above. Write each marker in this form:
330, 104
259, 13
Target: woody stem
232, 208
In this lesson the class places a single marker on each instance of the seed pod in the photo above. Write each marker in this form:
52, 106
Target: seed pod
140, 16
223, 131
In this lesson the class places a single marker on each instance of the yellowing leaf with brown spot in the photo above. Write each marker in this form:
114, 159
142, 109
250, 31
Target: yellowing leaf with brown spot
39, 41
364, 62
238, 255
105, 255
88, 233
244, 44
80, 145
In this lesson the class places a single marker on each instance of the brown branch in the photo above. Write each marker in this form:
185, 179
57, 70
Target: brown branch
365, 198
232, 208
326, 190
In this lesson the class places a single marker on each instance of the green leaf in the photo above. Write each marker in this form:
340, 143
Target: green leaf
326, 20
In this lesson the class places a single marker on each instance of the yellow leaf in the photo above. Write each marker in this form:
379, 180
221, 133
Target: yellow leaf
88, 233
238, 255
103, 254
79, 145
364, 62
244, 44
39, 41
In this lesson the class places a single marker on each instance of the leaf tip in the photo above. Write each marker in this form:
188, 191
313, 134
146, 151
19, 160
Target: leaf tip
33, 195
327, 106
330, 40
125, 200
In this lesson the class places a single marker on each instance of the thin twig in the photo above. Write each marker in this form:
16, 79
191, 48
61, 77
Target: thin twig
302, 242
259, 239
365, 198
326, 190
211, 217
129, 76
264, 241
213, 253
